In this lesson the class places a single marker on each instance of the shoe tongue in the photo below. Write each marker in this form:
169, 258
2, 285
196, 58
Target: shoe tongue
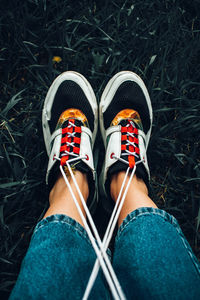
73, 114
125, 116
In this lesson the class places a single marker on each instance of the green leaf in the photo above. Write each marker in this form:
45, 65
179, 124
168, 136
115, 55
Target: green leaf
13, 101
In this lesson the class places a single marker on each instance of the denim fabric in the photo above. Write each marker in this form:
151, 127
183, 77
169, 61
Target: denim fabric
58, 263
152, 260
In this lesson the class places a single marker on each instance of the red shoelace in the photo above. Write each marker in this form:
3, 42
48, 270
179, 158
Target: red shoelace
70, 142
129, 143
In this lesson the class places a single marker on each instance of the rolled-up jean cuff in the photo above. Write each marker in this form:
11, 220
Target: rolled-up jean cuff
150, 211
66, 221
58, 263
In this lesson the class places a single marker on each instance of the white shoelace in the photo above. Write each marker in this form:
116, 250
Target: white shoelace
101, 247
99, 250
117, 208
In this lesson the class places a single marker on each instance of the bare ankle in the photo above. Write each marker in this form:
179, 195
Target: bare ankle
61, 200
116, 183
60, 187
136, 197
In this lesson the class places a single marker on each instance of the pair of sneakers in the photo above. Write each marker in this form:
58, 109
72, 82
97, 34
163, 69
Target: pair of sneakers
70, 123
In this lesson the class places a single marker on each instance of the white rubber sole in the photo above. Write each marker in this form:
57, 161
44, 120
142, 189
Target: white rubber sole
110, 91
46, 113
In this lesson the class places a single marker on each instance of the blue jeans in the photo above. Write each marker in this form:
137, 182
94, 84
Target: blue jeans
152, 260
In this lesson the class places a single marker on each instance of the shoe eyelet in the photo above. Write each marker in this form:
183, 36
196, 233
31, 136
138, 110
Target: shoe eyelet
87, 157
54, 157
111, 156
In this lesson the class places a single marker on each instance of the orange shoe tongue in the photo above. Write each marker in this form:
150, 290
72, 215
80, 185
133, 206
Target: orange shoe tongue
128, 114
72, 113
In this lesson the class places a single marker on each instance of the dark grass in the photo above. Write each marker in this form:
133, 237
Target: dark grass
159, 40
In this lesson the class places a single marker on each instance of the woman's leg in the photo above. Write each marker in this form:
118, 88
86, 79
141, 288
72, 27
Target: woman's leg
60, 257
152, 258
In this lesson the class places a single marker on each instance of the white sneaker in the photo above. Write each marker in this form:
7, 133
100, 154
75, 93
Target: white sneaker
125, 123
70, 120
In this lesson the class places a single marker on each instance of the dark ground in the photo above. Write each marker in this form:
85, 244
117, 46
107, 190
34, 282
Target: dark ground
159, 40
